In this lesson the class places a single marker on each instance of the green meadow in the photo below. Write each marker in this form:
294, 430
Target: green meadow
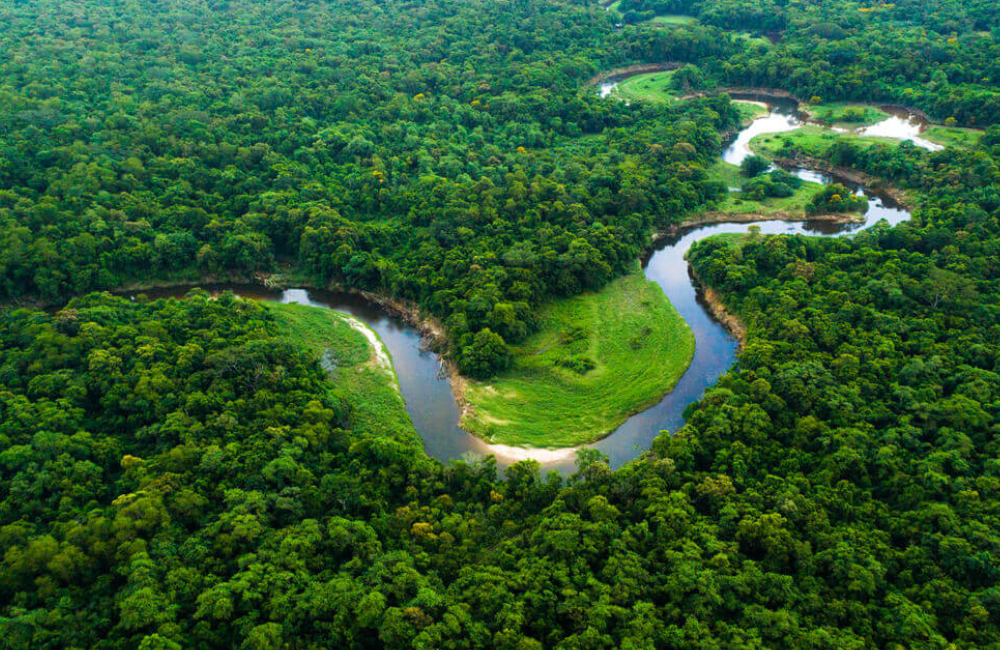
674, 19
597, 358
844, 114
812, 140
649, 87
791, 207
953, 136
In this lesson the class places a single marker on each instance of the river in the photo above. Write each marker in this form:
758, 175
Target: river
427, 391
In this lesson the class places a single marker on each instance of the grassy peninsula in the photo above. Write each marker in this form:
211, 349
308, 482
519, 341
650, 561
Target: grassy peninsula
597, 358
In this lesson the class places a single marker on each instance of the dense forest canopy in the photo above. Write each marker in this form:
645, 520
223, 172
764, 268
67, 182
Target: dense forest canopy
178, 474
440, 152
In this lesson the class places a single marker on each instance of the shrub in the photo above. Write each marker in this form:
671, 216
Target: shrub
753, 166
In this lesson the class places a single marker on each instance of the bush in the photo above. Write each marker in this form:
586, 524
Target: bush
753, 166
779, 190
486, 355
837, 198
756, 190
578, 363
785, 178
853, 114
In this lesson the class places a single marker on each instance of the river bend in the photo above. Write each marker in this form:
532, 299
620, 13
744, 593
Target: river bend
427, 390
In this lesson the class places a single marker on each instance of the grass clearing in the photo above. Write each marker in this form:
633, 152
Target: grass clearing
749, 111
734, 240
953, 136
811, 140
735, 203
649, 87
845, 114
674, 19
597, 358
370, 388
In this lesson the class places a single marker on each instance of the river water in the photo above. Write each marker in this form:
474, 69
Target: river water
427, 391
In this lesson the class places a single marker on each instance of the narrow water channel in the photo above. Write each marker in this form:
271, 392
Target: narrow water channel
427, 391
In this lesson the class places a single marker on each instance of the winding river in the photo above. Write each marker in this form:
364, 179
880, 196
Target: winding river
429, 399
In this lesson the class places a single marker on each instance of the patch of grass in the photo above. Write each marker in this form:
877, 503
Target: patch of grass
953, 136
674, 19
815, 139
726, 173
597, 358
372, 391
650, 87
736, 203
845, 115
749, 111
811, 140
734, 240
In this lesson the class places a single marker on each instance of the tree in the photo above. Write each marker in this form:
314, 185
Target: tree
264, 637
753, 166
486, 355
948, 288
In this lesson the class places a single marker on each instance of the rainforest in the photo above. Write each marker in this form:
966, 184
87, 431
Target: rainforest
496, 324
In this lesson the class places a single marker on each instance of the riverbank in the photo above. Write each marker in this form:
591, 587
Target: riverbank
433, 337
631, 70
760, 91
355, 358
729, 321
715, 217
814, 112
139, 286
850, 175
432, 331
